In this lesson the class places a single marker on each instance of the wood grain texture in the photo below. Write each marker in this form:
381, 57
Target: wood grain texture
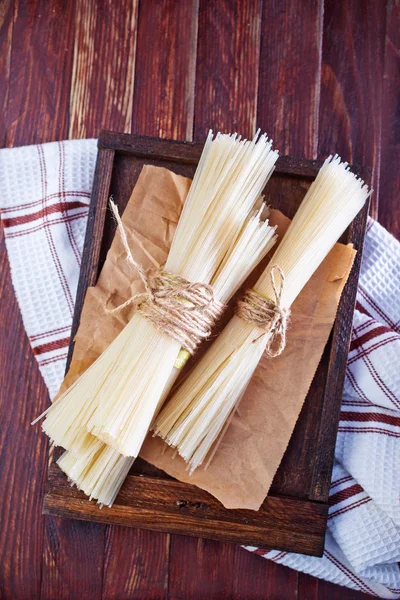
174, 151
22, 451
200, 569
336, 592
40, 72
307, 587
165, 69
36, 111
289, 85
351, 84
6, 28
135, 565
172, 506
255, 578
282, 583
227, 66
389, 190
72, 560
103, 69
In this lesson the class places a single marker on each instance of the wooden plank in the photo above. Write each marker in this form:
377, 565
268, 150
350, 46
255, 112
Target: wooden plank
175, 507
282, 583
40, 72
389, 191
6, 27
351, 84
40, 76
165, 69
22, 450
337, 592
290, 64
260, 579
200, 569
135, 565
227, 66
161, 109
72, 560
37, 111
103, 70
94, 230
307, 587
163, 106
174, 151
350, 113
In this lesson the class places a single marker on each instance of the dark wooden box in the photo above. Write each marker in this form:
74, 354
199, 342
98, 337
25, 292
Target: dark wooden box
294, 515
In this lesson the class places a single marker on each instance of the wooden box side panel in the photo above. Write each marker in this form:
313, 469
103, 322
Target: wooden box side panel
341, 337
172, 506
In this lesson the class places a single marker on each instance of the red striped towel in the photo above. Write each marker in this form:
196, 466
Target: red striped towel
46, 192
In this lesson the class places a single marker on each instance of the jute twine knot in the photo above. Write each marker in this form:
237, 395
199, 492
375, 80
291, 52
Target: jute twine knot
185, 311
267, 314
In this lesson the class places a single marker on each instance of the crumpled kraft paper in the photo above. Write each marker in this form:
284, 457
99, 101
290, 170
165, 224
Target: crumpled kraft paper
246, 460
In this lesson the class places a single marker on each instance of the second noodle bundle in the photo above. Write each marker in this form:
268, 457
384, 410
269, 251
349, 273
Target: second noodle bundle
199, 410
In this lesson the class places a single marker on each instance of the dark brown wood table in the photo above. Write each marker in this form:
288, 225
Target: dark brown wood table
319, 77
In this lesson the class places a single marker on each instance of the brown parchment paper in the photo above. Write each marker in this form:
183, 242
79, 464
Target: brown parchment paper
244, 465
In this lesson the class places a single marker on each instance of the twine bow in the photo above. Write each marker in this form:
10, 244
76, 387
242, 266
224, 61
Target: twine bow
267, 314
183, 310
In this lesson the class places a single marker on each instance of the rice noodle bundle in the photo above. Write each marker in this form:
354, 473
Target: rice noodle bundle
198, 411
117, 397
99, 470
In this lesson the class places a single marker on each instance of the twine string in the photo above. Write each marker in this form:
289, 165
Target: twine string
185, 311
267, 314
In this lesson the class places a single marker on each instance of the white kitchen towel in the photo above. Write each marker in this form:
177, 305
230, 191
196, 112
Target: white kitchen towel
44, 205
45, 197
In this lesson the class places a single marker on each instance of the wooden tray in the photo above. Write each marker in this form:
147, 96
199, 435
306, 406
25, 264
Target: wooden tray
294, 515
